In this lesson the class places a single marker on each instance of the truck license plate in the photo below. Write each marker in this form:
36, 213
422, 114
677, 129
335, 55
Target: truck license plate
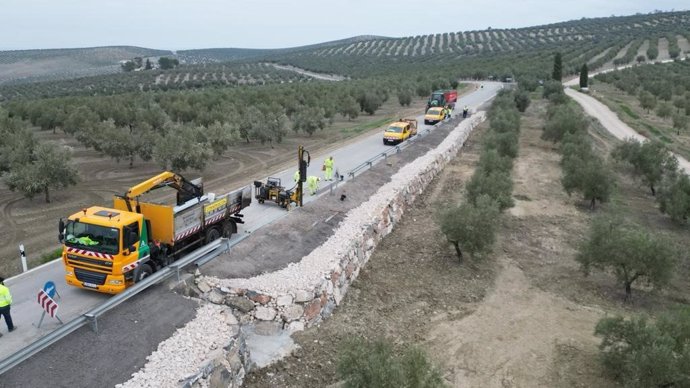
90, 285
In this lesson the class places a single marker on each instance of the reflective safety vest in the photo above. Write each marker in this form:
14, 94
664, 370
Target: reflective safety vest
328, 163
296, 176
5, 296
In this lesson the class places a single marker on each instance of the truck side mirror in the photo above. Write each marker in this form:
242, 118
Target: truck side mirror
61, 229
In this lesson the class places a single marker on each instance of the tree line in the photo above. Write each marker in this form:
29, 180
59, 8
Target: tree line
470, 226
186, 130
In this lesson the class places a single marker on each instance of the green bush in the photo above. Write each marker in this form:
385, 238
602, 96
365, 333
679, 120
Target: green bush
365, 364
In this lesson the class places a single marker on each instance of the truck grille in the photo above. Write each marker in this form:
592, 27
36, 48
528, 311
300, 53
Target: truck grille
77, 261
90, 277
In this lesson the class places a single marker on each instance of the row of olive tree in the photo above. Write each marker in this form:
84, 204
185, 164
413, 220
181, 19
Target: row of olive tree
584, 171
471, 226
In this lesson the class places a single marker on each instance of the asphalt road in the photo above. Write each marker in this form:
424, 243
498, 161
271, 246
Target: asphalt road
74, 302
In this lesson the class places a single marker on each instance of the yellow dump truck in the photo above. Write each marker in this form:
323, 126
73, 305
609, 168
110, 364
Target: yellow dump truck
400, 131
109, 249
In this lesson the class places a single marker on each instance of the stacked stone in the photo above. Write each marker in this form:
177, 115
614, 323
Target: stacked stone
208, 350
304, 293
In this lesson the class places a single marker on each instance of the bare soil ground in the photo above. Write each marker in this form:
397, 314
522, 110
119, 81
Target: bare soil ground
522, 317
34, 222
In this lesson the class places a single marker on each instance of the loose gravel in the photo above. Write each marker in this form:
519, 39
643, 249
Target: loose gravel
184, 354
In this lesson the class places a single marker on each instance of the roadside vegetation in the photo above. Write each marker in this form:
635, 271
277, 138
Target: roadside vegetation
652, 99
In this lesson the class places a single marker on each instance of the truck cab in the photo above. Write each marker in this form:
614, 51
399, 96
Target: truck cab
102, 249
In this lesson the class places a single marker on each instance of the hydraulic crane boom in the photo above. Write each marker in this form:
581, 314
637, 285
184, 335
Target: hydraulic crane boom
186, 190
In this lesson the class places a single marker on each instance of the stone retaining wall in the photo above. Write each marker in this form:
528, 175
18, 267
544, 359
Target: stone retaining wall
304, 293
211, 349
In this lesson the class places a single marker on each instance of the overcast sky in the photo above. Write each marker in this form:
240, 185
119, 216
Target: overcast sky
185, 24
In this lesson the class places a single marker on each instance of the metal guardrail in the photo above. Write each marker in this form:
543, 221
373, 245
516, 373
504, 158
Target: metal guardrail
199, 256
383, 155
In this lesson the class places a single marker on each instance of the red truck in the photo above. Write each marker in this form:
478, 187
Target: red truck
442, 98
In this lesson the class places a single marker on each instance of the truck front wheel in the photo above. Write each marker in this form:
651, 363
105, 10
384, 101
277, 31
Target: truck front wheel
144, 272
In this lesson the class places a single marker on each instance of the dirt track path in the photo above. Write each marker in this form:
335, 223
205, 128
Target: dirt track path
611, 122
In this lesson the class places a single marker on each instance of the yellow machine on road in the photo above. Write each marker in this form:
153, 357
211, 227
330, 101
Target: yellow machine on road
109, 249
400, 131
273, 191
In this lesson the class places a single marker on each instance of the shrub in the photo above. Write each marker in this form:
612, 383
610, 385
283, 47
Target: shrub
364, 364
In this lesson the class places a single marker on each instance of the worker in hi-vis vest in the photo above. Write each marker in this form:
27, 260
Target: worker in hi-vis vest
313, 184
328, 169
5, 303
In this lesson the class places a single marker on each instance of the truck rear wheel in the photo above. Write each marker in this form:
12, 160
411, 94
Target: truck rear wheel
229, 227
212, 234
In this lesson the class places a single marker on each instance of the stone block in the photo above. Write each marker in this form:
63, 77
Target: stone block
312, 309
295, 326
240, 303
216, 296
284, 300
327, 310
302, 296
203, 286
292, 313
265, 313
257, 297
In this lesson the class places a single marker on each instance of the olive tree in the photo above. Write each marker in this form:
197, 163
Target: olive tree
629, 251
49, 169
651, 160
588, 175
640, 353
470, 227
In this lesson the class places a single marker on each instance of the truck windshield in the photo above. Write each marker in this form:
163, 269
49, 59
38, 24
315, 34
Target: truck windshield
92, 237
394, 129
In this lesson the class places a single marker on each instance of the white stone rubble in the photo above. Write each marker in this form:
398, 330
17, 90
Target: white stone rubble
187, 351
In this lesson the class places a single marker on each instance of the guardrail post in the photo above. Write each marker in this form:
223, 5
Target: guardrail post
351, 174
93, 320
385, 155
397, 149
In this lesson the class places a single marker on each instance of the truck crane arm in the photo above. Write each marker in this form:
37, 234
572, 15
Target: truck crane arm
186, 190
